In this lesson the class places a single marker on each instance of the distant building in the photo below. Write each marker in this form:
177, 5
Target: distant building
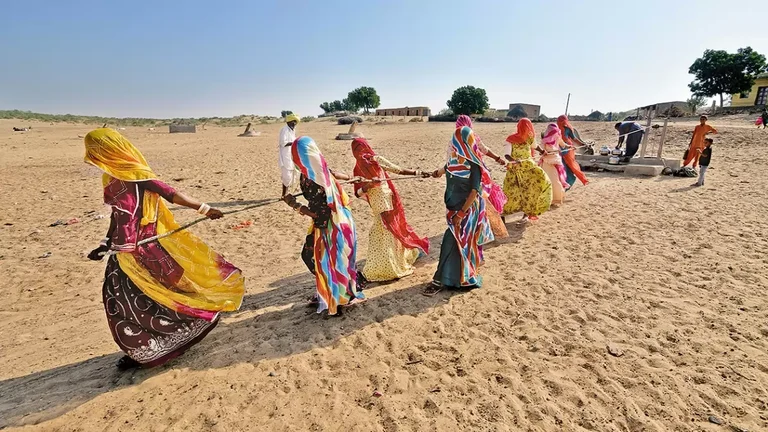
407, 111
757, 96
672, 109
664, 106
533, 111
181, 128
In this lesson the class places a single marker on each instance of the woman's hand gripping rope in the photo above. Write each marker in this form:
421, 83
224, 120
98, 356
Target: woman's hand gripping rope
213, 213
210, 213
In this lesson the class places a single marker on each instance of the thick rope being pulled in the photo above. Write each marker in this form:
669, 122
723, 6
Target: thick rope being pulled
197, 221
249, 207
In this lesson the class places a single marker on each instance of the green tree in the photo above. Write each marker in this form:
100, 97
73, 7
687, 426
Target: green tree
365, 98
596, 116
347, 105
326, 107
719, 73
695, 102
337, 106
517, 112
468, 100
285, 114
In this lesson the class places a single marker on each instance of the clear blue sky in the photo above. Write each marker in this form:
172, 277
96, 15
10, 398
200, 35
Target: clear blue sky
204, 58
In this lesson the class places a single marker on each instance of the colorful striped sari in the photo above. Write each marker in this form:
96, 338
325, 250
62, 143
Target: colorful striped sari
335, 246
474, 229
493, 192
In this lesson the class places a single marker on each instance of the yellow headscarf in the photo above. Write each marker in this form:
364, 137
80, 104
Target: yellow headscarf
116, 156
292, 117
206, 287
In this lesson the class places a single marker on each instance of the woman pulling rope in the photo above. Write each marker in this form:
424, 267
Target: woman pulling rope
161, 297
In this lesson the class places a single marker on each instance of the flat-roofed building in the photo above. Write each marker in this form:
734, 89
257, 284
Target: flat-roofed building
407, 111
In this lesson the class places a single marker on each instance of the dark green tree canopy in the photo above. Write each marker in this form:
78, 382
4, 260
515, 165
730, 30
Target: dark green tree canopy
364, 97
720, 73
348, 106
468, 100
595, 116
517, 112
285, 114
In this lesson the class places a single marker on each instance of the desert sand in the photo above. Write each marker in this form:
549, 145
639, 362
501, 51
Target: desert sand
671, 277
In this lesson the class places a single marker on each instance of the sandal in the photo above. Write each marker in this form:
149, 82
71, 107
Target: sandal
126, 363
341, 308
362, 282
313, 301
355, 301
432, 288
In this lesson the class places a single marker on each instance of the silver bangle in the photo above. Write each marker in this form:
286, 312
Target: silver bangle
204, 209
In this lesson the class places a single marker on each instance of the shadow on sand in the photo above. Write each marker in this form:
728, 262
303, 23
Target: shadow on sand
248, 336
684, 189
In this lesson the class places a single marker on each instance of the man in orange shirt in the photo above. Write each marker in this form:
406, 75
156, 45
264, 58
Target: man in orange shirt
700, 132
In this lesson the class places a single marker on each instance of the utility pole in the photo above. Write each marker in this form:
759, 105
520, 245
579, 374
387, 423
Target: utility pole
568, 102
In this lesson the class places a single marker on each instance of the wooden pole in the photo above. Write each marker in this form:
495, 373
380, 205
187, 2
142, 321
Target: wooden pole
647, 131
663, 138
567, 103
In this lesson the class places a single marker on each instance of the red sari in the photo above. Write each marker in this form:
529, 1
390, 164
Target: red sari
569, 157
393, 220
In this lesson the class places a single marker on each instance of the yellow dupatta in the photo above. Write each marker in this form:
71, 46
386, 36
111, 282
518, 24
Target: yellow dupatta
209, 284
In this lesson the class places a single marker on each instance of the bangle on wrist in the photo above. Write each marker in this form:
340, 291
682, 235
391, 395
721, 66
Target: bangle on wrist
104, 241
204, 209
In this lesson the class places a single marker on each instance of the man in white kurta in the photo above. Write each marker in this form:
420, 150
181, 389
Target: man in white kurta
285, 159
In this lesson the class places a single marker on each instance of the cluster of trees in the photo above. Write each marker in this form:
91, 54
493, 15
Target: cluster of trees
717, 73
720, 73
362, 98
517, 112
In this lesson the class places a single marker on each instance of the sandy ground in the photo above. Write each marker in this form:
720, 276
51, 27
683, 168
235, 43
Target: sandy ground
674, 277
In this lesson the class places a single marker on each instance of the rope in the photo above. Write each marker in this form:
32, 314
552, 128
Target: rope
197, 221
249, 207
375, 179
644, 128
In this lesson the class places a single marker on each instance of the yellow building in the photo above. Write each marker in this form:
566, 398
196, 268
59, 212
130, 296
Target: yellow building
758, 95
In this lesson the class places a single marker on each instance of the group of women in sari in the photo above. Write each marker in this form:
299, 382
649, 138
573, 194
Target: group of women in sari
539, 176
164, 289
475, 204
